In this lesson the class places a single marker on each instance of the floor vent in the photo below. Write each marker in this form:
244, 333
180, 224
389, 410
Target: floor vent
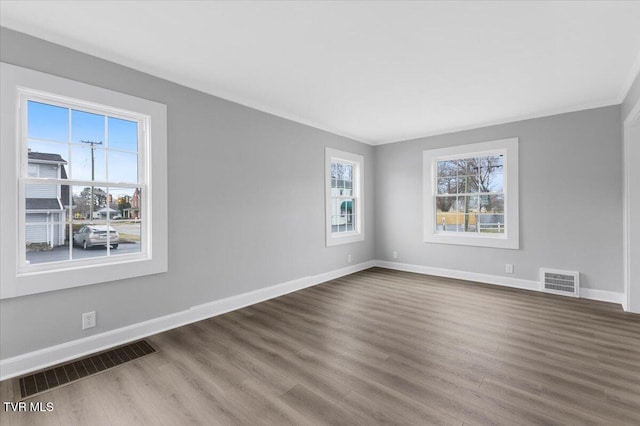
566, 283
72, 371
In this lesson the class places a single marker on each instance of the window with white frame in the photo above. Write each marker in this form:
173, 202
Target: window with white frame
90, 174
471, 194
344, 201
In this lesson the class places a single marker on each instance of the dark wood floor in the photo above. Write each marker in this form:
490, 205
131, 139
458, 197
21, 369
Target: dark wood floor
376, 347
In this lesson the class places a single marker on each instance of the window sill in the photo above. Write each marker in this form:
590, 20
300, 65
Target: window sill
492, 241
336, 240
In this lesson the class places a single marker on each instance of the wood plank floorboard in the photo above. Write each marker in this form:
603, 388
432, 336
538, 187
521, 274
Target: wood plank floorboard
376, 347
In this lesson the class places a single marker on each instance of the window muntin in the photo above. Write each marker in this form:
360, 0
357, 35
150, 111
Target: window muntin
471, 194
77, 162
344, 203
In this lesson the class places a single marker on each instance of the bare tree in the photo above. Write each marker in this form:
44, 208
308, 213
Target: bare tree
459, 180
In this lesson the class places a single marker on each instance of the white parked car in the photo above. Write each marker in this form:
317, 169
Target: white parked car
96, 235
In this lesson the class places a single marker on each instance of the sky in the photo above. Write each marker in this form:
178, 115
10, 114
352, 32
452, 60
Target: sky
57, 130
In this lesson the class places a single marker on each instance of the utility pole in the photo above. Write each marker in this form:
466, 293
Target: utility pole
93, 148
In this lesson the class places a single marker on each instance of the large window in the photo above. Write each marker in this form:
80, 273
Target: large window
84, 167
343, 197
90, 184
470, 194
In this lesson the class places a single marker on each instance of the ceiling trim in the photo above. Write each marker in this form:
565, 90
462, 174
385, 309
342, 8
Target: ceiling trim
514, 119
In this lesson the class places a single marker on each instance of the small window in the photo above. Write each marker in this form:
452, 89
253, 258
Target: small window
344, 203
471, 194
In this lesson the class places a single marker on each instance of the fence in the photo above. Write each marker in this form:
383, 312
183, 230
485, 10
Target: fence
482, 222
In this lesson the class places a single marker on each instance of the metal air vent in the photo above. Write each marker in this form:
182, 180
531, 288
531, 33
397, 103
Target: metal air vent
566, 283
45, 380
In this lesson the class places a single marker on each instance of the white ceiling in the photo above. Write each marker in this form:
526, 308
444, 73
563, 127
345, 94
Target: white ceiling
377, 72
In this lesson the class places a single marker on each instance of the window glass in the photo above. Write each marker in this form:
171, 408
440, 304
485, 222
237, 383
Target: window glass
343, 203
342, 218
479, 205
81, 221
470, 194
47, 122
123, 134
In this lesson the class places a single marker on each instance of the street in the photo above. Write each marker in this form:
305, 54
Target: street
62, 253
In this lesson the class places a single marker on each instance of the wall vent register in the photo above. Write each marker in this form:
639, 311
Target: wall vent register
72, 371
566, 283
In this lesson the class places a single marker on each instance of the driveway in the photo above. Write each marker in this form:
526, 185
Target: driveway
62, 253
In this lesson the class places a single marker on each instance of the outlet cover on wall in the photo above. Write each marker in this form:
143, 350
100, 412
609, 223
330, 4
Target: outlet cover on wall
88, 320
394, 254
349, 258
508, 268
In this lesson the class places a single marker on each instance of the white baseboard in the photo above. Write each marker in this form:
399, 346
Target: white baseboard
36, 360
461, 275
585, 293
602, 295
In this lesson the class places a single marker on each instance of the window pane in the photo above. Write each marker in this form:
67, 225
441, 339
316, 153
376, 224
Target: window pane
341, 179
445, 203
88, 163
346, 172
45, 239
472, 167
47, 122
492, 203
80, 197
467, 203
45, 233
491, 174
127, 220
351, 223
461, 166
87, 128
123, 134
89, 239
447, 185
38, 197
496, 181
123, 167
467, 184
41, 152
89, 203
447, 168
491, 223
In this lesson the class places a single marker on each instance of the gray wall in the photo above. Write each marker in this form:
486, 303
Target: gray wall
246, 196
246, 206
570, 200
632, 97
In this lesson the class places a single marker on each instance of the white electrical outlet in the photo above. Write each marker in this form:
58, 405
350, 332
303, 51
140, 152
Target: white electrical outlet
508, 268
88, 320
394, 254
349, 258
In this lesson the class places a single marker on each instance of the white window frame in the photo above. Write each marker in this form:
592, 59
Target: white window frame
16, 279
357, 161
511, 237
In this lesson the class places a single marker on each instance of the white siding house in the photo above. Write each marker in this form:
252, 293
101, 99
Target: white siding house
45, 209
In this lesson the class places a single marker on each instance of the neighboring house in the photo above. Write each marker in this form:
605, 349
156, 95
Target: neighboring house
45, 209
102, 213
134, 212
